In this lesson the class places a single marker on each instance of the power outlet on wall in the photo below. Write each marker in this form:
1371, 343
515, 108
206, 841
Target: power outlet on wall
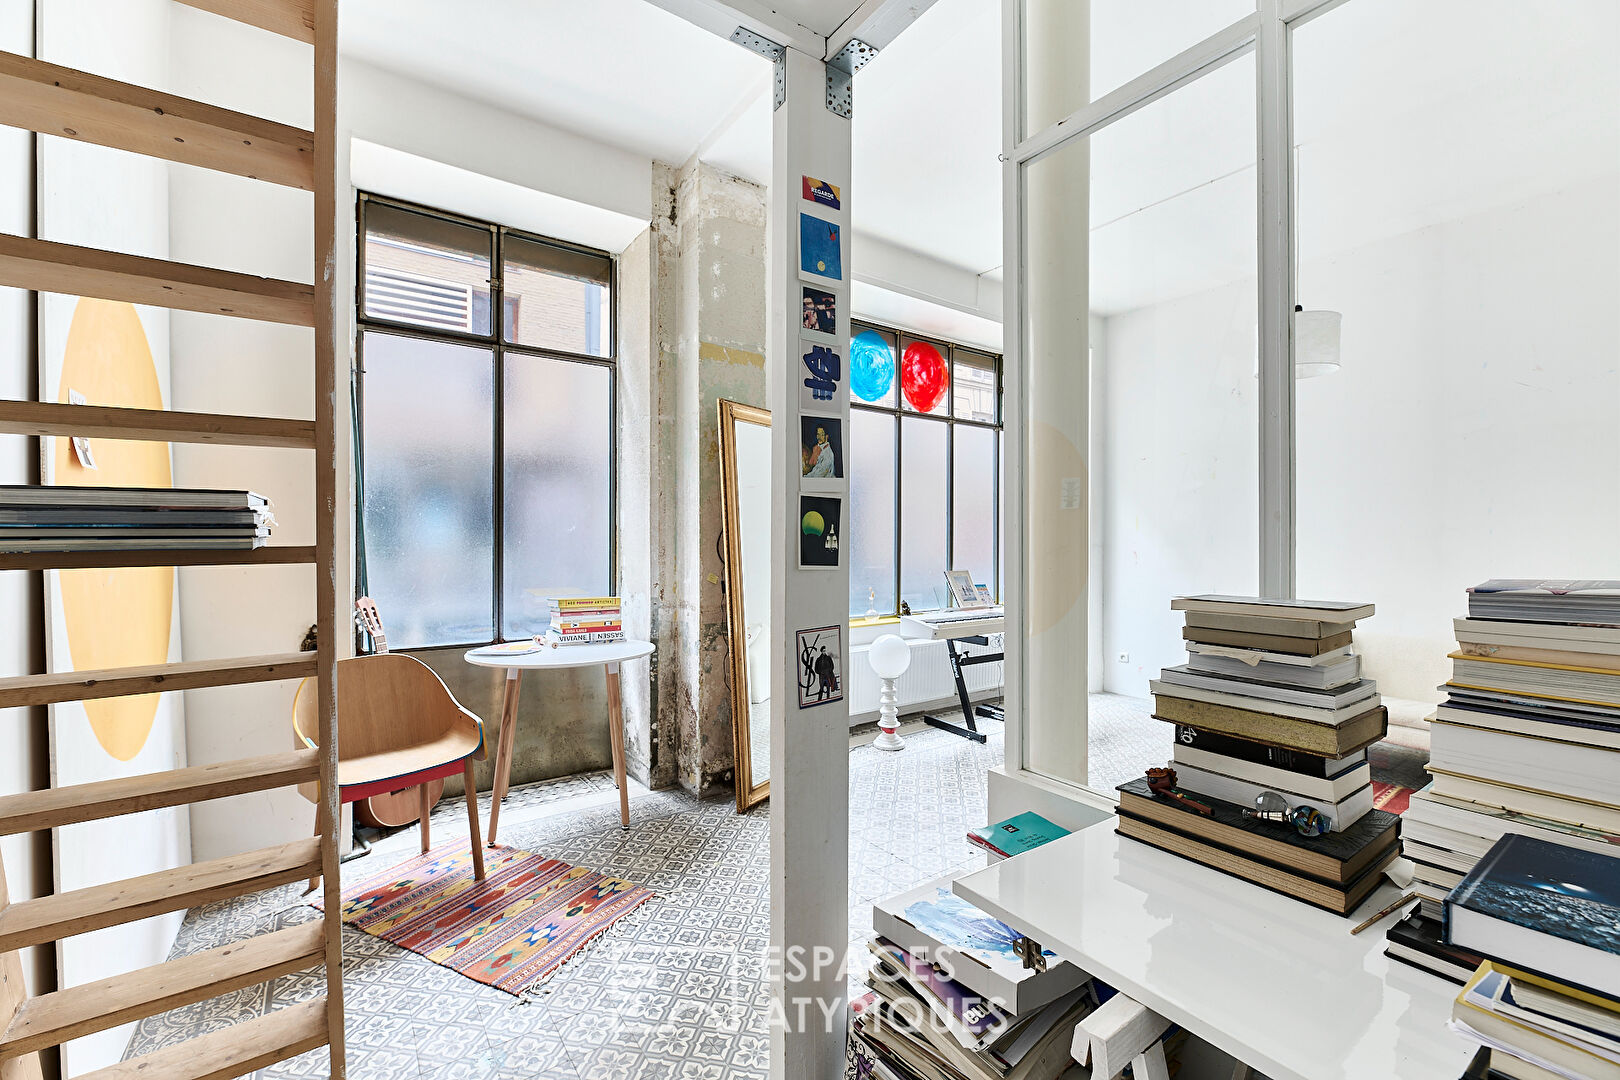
1124, 657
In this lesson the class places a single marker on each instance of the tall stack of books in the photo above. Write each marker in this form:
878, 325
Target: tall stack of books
951, 1001
1544, 1002
1526, 743
1271, 714
584, 620
59, 519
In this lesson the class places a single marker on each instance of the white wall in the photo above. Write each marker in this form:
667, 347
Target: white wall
1470, 434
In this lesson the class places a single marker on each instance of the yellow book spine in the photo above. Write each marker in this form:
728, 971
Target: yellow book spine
1529, 663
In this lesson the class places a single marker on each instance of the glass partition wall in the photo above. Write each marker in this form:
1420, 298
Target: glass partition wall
1437, 187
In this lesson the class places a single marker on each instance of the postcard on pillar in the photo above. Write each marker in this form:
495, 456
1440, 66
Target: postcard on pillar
821, 257
819, 321
821, 665
820, 374
820, 192
821, 523
821, 454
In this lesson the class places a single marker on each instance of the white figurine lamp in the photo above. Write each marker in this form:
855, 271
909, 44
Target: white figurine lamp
889, 656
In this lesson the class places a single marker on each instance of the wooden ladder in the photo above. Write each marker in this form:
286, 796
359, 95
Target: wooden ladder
45, 98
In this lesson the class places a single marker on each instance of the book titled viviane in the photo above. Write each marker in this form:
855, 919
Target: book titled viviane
1543, 907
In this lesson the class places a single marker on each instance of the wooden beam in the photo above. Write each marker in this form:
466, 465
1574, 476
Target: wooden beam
51, 689
876, 22
153, 425
53, 1019
289, 18
95, 560
721, 17
53, 807
234, 1051
64, 915
55, 100
46, 266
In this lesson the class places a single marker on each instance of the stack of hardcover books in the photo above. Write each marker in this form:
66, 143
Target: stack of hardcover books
584, 620
58, 519
1526, 743
951, 1001
1271, 714
1544, 1000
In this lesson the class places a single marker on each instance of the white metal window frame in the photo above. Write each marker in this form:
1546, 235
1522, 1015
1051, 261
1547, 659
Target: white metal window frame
1265, 34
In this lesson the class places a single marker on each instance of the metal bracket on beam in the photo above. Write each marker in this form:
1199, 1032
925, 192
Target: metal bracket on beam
771, 51
841, 71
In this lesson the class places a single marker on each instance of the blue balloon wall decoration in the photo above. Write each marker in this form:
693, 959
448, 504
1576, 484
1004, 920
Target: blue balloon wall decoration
871, 366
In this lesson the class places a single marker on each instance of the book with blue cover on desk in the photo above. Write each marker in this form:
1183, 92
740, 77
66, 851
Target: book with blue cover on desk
1023, 832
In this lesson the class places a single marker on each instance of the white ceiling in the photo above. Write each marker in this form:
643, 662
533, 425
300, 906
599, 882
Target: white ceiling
1406, 115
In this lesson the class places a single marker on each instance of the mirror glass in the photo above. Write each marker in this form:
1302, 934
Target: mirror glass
745, 447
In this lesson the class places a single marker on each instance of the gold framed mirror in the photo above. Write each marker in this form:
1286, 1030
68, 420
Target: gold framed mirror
745, 496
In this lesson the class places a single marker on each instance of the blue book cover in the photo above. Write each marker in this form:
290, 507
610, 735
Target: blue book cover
1025, 832
1560, 891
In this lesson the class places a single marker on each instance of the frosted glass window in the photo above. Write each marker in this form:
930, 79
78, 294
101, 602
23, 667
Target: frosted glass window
922, 513
973, 502
426, 271
428, 414
557, 297
557, 470
870, 535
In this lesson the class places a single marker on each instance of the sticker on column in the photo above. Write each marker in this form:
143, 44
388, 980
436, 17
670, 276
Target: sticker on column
821, 665
821, 376
820, 321
821, 193
821, 453
820, 525
820, 250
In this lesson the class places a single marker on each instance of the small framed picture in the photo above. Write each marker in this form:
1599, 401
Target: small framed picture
821, 256
821, 665
821, 453
960, 583
820, 526
820, 312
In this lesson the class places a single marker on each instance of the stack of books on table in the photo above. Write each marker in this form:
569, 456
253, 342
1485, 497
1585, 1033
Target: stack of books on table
1544, 1001
59, 519
585, 620
1271, 714
951, 1001
1527, 742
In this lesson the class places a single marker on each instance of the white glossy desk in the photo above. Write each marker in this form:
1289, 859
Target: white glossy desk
1279, 985
609, 657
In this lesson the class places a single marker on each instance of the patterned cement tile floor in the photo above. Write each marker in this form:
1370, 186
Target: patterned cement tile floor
676, 991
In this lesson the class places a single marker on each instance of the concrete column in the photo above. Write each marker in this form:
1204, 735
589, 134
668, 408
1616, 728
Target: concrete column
1056, 292
809, 747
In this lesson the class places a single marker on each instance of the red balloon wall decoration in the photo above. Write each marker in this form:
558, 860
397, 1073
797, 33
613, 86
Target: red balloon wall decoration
922, 376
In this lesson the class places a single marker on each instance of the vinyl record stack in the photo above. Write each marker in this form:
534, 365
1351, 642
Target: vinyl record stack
1270, 780
951, 1001
1527, 742
1544, 1002
584, 620
62, 519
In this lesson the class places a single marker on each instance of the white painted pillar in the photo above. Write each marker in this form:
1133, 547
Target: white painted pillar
809, 746
1056, 377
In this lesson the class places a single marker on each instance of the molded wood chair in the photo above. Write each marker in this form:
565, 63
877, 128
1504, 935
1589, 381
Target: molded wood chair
399, 727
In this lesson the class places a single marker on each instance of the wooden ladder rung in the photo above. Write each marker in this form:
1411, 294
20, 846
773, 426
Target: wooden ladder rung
53, 1019
63, 686
152, 425
34, 810
56, 100
46, 266
233, 1051
93, 560
63, 915
289, 18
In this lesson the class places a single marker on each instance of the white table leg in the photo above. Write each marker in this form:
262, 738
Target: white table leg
503, 749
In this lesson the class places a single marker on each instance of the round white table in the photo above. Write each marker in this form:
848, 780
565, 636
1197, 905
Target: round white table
552, 659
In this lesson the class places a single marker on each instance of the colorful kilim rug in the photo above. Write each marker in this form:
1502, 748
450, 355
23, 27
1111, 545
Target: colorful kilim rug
514, 929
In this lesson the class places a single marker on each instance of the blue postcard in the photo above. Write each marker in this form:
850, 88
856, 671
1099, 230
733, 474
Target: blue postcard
819, 248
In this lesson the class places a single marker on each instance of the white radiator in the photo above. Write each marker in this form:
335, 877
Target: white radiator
927, 683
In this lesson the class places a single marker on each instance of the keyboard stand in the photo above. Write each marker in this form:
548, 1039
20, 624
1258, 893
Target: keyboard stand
968, 729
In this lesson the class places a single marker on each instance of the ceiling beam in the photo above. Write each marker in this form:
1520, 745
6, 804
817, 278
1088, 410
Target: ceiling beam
876, 22
723, 16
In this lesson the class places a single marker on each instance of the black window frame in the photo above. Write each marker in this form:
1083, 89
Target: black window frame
495, 341
900, 411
